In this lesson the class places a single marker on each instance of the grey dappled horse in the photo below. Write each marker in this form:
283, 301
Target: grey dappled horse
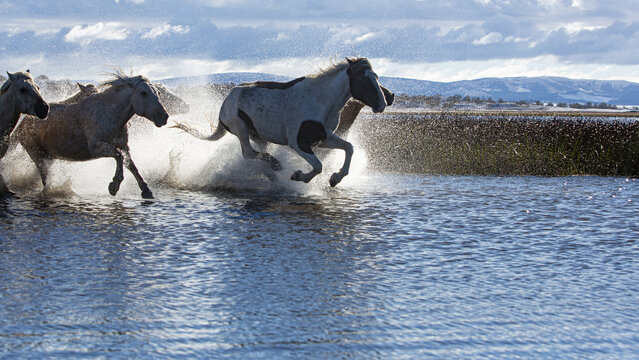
94, 128
301, 113
18, 95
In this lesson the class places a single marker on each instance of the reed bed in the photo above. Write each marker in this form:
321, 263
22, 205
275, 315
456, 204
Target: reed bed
549, 144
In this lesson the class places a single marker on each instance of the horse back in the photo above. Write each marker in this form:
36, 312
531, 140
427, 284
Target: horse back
273, 85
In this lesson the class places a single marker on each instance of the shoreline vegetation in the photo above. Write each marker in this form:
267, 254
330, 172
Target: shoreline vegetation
502, 143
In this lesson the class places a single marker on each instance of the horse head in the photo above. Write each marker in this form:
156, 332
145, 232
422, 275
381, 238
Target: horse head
173, 104
26, 94
87, 90
146, 102
364, 84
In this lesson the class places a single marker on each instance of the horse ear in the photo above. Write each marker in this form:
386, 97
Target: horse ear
351, 61
82, 87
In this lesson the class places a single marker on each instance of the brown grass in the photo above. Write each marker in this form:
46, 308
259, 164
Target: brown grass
503, 143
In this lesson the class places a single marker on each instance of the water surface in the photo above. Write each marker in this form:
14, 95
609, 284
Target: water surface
391, 266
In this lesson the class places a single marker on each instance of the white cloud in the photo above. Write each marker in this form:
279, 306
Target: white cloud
165, 29
492, 38
99, 31
365, 37
546, 65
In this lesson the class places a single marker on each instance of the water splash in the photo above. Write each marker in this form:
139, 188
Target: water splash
171, 159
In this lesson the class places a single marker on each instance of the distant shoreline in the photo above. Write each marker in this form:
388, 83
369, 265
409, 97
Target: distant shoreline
536, 112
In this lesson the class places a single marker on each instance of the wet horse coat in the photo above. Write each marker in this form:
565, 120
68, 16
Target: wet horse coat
94, 128
302, 113
18, 95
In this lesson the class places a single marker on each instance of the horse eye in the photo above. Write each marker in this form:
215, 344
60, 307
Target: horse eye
143, 93
23, 90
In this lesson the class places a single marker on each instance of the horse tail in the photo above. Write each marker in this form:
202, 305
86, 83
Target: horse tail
218, 133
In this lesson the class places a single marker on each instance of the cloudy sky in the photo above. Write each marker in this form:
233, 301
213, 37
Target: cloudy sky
432, 40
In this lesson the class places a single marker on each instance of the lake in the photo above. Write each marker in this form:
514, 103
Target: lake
383, 266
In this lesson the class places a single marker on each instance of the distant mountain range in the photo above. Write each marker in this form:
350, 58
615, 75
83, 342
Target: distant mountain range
546, 89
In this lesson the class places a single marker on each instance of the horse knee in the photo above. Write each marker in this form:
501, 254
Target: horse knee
249, 153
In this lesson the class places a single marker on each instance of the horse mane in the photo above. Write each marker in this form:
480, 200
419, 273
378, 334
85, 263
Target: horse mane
357, 64
120, 79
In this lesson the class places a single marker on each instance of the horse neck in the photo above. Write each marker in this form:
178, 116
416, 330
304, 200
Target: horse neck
333, 90
9, 115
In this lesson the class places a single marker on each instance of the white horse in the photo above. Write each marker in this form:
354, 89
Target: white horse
302, 113
94, 128
18, 95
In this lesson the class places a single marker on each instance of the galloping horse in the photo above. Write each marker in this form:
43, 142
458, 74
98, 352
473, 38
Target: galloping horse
94, 128
301, 113
18, 95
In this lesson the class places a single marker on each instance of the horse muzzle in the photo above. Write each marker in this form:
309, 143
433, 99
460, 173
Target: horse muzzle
42, 110
161, 119
379, 109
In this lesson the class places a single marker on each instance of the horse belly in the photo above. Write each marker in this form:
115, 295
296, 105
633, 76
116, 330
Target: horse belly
65, 143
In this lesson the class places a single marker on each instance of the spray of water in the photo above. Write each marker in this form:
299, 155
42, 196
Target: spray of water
171, 159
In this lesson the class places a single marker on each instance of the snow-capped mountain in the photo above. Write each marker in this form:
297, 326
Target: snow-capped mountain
546, 89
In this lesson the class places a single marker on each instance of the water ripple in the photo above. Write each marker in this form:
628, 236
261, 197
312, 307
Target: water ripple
392, 266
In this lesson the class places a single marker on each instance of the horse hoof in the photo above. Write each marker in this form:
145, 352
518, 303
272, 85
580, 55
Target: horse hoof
147, 194
113, 188
335, 179
297, 176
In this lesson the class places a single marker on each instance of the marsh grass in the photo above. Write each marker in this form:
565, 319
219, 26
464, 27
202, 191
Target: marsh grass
551, 144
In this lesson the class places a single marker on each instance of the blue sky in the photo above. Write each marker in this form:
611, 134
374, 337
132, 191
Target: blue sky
432, 40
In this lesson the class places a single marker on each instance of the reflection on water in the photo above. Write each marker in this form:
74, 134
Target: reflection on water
392, 266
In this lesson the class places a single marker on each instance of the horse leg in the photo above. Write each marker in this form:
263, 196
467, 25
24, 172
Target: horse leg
41, 158
118, 177
43, 166
4, 190
102, 149
128, 162
249, 153
312, 160
335, 142
269, 172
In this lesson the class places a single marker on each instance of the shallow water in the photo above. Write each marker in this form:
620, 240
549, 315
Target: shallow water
387, 266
